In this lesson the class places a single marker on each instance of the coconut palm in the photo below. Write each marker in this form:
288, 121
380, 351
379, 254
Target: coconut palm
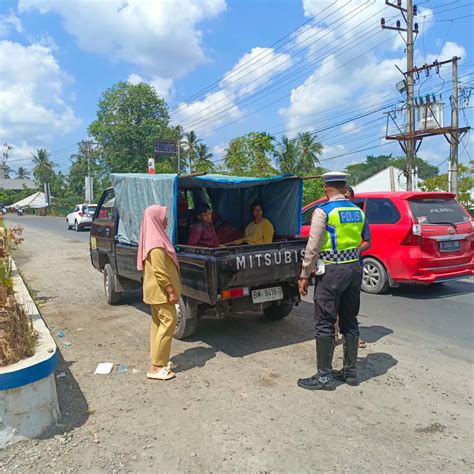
22, 173
287, 155
308, 150
191, 142
43, 169
203, 161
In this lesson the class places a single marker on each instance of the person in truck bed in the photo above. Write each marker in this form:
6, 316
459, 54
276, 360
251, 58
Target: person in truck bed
259, 231
161, 287
203, 233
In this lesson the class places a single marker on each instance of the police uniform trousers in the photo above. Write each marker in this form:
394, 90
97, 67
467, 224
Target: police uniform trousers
337, 292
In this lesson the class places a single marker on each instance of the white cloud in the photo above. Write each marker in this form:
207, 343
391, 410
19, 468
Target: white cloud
253, 70
206, 115
8, 23
348, 127
162, 86
32, 107
218, 151
161, 37
449, 50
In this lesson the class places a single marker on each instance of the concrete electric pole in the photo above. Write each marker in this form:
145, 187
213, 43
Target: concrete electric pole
453, 158
408, 13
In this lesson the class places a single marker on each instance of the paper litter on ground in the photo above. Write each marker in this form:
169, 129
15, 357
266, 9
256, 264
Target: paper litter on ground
104, 368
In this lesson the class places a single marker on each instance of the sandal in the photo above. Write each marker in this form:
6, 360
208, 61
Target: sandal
362, 344
165, 373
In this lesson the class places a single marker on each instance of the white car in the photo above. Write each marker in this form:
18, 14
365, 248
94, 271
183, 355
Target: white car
81, 217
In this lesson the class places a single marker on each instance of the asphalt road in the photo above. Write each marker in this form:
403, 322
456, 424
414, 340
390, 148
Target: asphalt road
50, 224
441, 316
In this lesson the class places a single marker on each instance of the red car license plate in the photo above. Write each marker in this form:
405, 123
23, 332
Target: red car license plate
450, 246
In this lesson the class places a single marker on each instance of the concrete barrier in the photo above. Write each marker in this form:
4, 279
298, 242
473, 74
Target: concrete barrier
28, 399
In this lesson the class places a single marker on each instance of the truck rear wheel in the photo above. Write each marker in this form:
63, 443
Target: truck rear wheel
277, 311
111, 293
186, 320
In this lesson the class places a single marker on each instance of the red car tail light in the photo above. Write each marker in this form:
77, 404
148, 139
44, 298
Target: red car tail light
235, 293
413, 237
81, 214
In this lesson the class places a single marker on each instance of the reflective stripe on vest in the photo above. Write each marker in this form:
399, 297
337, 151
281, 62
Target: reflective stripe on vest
345, 222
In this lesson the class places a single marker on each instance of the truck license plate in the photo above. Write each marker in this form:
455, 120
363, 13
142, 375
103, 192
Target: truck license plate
267, 294
450, 246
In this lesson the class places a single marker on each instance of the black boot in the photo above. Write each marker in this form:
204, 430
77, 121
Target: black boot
323, 379
348, 374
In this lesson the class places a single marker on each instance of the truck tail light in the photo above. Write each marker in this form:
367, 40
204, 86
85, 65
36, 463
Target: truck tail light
414, 236
235, 293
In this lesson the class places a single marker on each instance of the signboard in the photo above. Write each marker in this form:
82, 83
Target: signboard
151, 166
164, 147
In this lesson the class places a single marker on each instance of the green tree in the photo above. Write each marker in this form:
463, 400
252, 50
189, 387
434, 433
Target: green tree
250, 155
80, 167
203, 162
129, 118
43, 167
425, 170
286, 155
309, 150
22, 173
465, 184
374, 164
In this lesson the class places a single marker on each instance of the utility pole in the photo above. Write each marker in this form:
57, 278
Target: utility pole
178, 149
453, 158
408, 13
89, 194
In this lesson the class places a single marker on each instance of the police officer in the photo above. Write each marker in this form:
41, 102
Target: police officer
338, 234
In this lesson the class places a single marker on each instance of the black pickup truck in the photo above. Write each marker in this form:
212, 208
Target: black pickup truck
217, 282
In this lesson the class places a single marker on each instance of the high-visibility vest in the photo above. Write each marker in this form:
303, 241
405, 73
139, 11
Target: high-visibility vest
343, 236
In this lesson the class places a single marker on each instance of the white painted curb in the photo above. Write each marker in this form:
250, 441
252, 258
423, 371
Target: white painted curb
28, 398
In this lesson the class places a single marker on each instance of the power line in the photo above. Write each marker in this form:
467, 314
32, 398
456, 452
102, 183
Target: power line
248, 62
257, 92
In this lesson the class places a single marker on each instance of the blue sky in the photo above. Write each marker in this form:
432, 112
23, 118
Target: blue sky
333, 69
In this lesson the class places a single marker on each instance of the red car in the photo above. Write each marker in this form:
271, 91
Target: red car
417, 237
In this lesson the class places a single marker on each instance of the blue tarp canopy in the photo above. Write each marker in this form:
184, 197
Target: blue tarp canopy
230, 196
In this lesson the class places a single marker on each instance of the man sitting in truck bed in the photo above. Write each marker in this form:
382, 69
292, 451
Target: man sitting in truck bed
202, 232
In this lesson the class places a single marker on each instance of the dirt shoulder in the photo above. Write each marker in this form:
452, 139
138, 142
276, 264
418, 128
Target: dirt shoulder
235, 405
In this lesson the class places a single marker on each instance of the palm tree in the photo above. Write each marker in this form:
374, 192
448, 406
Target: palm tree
287, 155
308, 149
22, 173
203, 162
191, 142
43, 169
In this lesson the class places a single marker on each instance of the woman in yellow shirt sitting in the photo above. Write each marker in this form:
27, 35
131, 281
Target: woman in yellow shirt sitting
259, 231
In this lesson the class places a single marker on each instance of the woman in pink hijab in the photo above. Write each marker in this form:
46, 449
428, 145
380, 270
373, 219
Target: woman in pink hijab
161, 287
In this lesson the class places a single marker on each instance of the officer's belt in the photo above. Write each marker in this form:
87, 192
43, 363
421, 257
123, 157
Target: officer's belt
340, 256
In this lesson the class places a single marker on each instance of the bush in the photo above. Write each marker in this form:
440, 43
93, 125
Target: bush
17, 337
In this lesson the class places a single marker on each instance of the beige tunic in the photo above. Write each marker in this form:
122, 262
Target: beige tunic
159, 271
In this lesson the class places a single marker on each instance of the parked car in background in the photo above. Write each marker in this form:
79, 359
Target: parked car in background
3, 209
417, 237
81, 217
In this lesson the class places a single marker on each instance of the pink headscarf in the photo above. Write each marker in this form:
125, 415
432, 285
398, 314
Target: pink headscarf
153, 235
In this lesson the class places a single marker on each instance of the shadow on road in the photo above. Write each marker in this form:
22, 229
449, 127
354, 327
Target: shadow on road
436, 291
374, 365
192, 358
372, 334
72, 402
238, 337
